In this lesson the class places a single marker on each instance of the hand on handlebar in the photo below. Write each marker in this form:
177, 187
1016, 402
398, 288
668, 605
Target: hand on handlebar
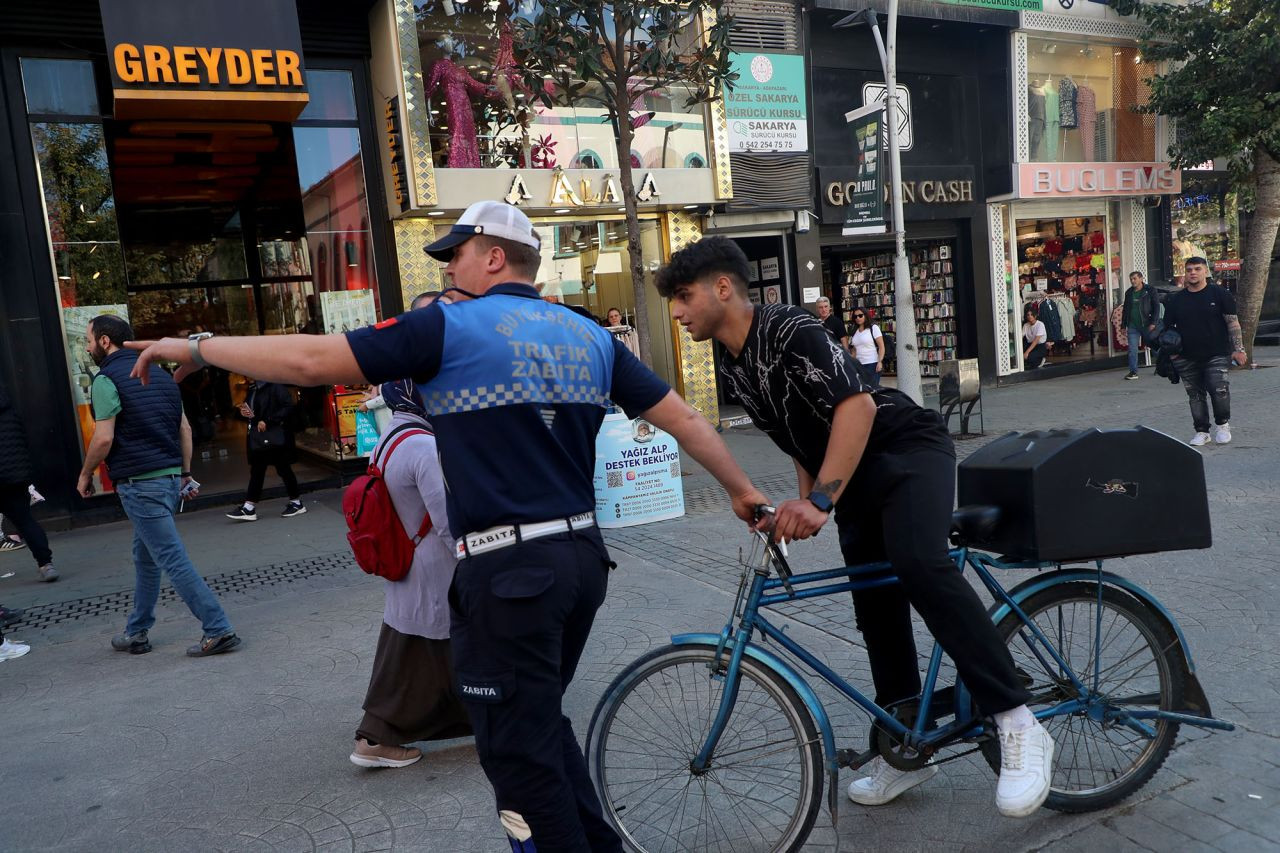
797, 519
745, 504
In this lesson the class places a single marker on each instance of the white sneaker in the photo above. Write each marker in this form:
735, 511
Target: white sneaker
1200, 438
887, 782
10, 650
1221, 434
1026, 766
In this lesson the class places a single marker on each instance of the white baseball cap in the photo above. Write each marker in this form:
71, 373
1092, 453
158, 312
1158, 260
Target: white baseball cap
493, 218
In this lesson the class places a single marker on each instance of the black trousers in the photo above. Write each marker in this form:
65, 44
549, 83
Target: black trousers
1036, 357
258, 464
15, 505
1206, 377
520, 619
901, 512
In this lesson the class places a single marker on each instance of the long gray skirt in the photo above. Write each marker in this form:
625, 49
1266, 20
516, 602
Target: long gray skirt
411, 693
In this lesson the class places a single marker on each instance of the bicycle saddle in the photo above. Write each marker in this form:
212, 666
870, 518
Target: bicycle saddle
974, 523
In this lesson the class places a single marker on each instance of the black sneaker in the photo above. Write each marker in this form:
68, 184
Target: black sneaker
294, 508
213, 646
242, 514
1132, 374
134, 644
8, 616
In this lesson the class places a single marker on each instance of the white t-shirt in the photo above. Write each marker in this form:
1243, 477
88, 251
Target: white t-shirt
864, 344
1034, 332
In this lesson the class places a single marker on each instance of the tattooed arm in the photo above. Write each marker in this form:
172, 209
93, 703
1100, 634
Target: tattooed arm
850, 428
1234, 332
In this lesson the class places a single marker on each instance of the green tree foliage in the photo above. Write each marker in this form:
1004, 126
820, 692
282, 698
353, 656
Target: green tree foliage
1222, 87
615, 53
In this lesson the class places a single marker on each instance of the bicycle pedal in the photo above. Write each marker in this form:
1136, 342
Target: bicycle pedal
853, 759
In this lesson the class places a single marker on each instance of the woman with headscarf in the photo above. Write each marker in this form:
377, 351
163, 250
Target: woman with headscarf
411, 695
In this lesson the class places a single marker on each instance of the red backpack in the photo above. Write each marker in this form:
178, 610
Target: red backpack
377, 537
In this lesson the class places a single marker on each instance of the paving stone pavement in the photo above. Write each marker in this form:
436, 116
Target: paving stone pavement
247, 751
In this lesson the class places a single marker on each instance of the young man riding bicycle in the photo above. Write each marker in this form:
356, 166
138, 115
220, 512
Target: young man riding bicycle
886, 468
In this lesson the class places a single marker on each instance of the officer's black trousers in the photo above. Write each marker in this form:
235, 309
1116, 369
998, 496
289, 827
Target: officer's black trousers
901, 512
520, 619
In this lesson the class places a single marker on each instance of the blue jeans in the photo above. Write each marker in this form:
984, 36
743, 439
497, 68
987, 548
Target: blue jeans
150, 505
1135, 338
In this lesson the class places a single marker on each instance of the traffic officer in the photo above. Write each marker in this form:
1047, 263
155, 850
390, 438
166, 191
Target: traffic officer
516, 389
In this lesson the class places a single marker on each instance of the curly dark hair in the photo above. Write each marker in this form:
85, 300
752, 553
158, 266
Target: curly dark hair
697, 260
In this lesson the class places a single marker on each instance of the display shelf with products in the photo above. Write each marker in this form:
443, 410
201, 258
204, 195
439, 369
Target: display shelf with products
867, 282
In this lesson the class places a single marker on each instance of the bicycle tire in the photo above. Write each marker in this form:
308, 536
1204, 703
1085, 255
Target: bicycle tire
626, 764
1070, 731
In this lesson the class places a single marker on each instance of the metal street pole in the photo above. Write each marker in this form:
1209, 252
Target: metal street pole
905, 313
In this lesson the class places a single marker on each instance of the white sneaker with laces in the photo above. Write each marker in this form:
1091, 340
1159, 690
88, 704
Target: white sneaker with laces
10, 650
1199, 439
1221, 434
1026, 766
886, 783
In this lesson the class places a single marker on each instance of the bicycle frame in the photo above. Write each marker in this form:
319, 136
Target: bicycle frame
767, 591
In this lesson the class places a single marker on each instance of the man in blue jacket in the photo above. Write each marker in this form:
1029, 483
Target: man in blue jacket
142, 434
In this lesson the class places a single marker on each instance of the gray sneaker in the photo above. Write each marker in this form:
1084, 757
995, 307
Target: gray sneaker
48, 573
134, 644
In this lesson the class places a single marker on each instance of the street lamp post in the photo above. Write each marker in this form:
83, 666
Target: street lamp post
905, 317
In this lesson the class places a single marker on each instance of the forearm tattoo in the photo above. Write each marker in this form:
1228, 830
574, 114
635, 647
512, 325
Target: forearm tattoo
1233, 330
828, 488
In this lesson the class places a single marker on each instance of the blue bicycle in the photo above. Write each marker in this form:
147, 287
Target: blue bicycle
714, 742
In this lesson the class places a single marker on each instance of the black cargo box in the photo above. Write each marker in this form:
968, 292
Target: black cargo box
1077, 494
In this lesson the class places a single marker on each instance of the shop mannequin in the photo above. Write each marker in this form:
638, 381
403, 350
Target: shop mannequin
459, 87
1035, 116
1087, 117
1052, 121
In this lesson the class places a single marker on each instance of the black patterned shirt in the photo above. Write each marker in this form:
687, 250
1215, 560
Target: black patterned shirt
791, 375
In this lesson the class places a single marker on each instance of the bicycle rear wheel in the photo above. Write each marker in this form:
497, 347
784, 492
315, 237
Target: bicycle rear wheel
1097, 762
763, 789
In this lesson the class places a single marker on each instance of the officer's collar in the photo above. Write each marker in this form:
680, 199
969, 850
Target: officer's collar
514, 288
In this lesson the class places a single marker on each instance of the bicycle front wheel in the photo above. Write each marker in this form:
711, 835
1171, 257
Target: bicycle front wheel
763, 788
1131, 655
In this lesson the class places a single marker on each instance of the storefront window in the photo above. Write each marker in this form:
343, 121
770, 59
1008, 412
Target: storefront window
83, 236
1205, 222
1066, 272
482, 117
1081, 102
59, 87
586, 264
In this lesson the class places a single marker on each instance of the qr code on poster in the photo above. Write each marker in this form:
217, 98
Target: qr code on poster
675, 468
613, 479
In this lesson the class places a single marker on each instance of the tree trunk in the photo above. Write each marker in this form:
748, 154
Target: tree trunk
1261, 241
634, 249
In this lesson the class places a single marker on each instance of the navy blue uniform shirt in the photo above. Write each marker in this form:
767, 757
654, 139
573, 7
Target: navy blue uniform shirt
516, 389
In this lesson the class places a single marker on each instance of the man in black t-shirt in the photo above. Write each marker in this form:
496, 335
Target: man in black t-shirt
831, 322
886, 468
1205, 315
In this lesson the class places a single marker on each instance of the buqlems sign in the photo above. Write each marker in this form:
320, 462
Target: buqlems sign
205, 58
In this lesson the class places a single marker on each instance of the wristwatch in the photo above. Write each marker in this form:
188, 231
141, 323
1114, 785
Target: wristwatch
193, 343
822, 501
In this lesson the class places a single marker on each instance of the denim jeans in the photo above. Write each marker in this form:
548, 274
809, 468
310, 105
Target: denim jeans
1206, 376
1135, 338
150, 505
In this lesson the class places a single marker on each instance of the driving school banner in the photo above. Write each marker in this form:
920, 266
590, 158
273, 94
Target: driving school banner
864, 195
637, 478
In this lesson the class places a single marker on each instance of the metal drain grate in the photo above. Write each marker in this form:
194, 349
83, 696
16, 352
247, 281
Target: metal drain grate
244, 580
